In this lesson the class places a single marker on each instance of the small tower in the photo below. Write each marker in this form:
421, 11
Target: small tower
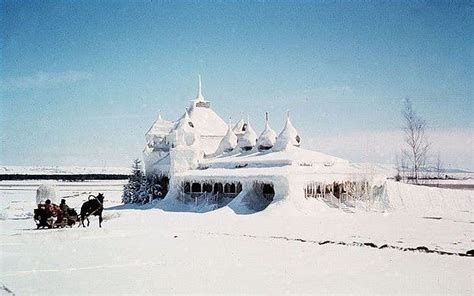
288, 137
267, 137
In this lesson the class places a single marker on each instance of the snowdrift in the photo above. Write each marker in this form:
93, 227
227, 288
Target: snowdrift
428, 201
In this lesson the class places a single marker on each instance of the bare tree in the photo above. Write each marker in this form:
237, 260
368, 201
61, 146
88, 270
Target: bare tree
416, 140
401, 165
439, 167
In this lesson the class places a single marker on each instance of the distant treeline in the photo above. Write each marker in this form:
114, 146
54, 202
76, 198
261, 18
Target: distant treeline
63, 177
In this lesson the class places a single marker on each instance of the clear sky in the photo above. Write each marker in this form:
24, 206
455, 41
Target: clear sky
82, 81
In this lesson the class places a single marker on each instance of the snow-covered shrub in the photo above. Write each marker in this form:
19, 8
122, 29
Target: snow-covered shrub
131, 190
45, 192
139, 189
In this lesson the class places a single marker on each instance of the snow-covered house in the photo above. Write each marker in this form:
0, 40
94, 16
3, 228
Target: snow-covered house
204, 158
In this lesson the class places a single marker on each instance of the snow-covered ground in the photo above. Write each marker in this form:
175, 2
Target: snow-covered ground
291, 247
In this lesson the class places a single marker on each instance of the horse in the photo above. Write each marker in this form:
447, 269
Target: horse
94, 207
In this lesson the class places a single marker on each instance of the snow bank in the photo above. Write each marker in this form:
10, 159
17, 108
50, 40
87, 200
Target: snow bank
429, 201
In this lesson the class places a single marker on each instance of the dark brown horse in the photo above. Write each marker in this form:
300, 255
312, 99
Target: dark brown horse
93, 206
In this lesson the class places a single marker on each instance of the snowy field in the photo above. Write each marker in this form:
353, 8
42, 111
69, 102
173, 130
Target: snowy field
299, 246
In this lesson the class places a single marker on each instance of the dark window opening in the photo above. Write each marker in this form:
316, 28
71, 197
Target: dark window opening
196, 187
268, 191
218, 188
227, 188
207, 187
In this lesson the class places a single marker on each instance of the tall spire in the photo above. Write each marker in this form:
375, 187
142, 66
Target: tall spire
200, 97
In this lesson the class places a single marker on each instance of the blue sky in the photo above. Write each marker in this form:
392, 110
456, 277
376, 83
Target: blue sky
81, 82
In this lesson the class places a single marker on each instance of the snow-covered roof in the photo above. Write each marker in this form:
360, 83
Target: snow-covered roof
290, 156
205, 120
304, 165
161, 127
287, 138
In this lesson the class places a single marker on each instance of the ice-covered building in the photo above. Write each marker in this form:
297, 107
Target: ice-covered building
205, 159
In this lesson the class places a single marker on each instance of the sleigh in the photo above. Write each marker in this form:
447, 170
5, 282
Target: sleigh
53, 217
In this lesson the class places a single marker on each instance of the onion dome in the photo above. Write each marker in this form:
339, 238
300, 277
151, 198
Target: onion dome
288, 137
249, 139
267, 137
229, 142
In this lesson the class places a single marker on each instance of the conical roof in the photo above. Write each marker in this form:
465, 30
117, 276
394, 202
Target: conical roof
205, 120
288, 137
161, 128
184, 132
267, 137
248, 139
229, 142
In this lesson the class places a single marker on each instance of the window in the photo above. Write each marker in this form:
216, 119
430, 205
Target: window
196, 187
